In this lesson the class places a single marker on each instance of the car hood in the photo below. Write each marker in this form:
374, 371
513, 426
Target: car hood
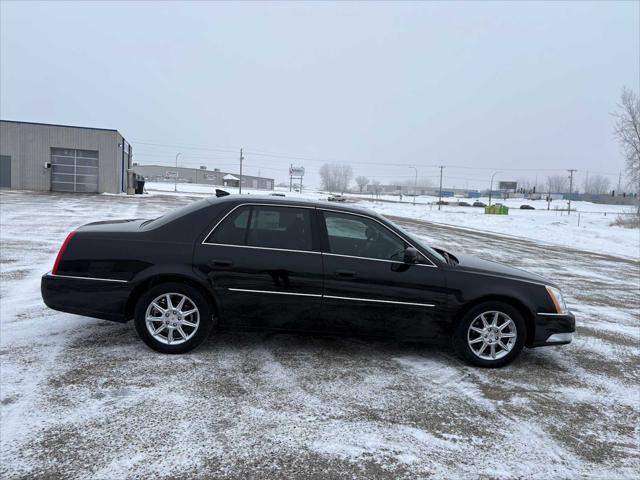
478, 265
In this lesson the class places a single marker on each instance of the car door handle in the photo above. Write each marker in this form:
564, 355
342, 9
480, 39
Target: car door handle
221, 262
345, 273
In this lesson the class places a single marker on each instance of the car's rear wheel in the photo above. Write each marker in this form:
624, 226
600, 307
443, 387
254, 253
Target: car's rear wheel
490, 335
173, 318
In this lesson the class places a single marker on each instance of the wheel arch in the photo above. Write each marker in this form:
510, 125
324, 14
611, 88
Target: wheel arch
160, 278
527, 314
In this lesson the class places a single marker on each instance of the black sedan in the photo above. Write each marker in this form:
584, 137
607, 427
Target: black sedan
292, 265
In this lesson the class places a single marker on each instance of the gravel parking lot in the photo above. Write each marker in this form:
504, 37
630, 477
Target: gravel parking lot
85, 398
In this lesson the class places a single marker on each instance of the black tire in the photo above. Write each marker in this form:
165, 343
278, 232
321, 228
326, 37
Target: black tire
196, 334
460, 335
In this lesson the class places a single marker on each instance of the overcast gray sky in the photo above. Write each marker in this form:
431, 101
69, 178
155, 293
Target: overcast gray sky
475, 85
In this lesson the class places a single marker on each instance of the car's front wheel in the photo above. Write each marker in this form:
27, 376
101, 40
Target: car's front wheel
490, 335
173, 318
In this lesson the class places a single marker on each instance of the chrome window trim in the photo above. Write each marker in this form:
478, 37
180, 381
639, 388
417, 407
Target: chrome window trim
263, 248
55, 275
251, 204
378, 260
249, 290
317, 295
433, 265
204, 242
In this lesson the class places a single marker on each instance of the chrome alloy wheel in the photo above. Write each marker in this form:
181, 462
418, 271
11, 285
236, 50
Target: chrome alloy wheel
492, 335
172, 318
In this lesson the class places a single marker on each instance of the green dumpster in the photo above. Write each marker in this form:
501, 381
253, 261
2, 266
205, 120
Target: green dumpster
496, 210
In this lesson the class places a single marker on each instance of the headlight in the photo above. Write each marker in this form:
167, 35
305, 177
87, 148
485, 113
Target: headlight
557, 299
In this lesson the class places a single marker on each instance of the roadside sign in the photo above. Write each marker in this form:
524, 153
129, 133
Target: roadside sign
511, 186
296, 171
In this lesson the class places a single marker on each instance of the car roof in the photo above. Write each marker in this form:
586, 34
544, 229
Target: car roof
277, 200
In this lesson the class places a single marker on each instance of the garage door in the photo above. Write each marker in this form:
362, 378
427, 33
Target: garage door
74, 170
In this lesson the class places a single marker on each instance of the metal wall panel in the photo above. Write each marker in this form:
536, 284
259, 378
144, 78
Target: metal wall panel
30, 145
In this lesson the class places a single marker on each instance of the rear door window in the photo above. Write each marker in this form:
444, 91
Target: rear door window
265, 226
286, 228
233, 230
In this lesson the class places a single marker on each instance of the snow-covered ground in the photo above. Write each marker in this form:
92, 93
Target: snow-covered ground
84, 398
586, 228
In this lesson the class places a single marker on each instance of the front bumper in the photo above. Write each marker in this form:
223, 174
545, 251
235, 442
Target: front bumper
553, 329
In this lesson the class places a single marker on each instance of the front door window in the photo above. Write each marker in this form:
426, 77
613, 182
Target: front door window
357, 236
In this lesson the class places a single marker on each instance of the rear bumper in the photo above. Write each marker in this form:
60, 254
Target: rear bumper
553, 329
98, 298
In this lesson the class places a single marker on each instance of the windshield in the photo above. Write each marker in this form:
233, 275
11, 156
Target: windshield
419, 243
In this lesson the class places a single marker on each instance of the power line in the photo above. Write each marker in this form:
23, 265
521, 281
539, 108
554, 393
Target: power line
259, 153
175, 145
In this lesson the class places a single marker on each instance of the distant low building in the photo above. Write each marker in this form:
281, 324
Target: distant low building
387, 189
612, 198
163, 173
422, 190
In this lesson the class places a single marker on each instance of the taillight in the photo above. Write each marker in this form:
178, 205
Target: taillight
61, 252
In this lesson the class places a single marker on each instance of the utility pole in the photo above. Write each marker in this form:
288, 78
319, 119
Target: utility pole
619, 181
570, 187
415, 186
491, 186
175, 181
240, 185
440, 196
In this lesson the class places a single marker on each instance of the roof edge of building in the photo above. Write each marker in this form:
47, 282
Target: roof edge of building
60, 125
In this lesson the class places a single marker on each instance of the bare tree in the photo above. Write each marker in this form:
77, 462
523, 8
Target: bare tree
596, 185
326, 178
627, 131
557, 183
526, 185
362, 182
345, 174
376, 187
335, 176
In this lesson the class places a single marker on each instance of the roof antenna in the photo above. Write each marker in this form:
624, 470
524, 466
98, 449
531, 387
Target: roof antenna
221, 193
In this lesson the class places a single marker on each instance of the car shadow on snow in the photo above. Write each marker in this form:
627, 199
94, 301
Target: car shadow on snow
357, 349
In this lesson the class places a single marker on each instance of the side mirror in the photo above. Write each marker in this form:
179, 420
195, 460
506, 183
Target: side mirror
410, 255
